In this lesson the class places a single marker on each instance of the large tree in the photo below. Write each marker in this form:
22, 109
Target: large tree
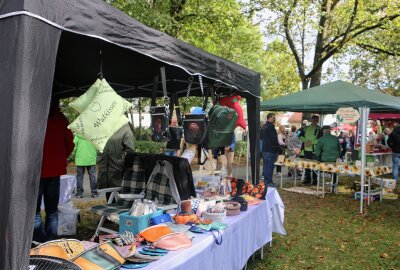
317, 30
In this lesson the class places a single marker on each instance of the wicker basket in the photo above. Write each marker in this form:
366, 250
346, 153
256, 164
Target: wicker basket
215, 216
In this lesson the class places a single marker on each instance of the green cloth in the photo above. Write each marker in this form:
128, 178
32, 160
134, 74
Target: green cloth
84, 152
328, 98
310, 134
328, 148
110, 163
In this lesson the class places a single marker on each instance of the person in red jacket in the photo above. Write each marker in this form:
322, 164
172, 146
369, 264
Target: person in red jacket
58, 145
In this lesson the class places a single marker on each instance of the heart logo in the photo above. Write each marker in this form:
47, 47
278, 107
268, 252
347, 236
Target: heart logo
95, 107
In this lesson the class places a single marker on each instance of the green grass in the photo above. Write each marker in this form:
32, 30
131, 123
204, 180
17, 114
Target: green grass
323, 233
328, 233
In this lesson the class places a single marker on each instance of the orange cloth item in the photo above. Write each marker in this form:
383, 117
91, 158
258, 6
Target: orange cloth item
153, 233
54, 251
173, 241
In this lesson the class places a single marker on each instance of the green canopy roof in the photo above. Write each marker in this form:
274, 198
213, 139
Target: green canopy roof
327, 98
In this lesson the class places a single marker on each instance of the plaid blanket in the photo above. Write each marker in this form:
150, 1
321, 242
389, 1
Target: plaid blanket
158, 186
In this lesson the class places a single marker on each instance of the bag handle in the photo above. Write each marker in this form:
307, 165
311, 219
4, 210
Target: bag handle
217, 236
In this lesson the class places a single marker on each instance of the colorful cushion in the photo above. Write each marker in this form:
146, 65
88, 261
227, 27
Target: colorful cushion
102, 117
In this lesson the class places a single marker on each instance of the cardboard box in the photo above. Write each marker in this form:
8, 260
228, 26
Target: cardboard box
386, 183
135, 224
375, 196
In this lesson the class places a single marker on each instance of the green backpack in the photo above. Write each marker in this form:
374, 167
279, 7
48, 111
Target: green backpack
221, 125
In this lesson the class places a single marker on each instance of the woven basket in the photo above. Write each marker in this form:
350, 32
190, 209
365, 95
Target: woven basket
215, 216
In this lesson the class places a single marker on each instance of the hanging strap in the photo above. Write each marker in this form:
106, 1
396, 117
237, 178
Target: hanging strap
164, 86
154, 91
188, 93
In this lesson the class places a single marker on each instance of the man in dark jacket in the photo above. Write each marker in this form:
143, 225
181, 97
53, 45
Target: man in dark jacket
394, 144
270, 147
111, 162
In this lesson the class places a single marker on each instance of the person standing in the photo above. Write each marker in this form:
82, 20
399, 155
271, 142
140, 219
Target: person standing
394, 144
310, 139
282, 140
111, 162
294, 146
176, 135
270, 147
328, 148
58, 145
85, 158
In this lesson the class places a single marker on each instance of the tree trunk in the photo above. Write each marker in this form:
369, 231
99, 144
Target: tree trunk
316, 78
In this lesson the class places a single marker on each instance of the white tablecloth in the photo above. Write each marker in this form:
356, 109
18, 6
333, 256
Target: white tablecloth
245, 234
67, 185
277, 209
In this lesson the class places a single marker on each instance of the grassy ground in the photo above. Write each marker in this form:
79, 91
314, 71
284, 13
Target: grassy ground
323, 233
328, 233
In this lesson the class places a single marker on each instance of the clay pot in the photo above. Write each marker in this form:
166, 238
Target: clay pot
186, 206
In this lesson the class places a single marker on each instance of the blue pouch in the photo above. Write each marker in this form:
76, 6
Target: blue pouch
134, 265
160, 219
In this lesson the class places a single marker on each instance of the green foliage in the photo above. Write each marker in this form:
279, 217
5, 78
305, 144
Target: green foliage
221, 28
142, 134
149, 147
317, 30
241, 149
376, 71
68, 111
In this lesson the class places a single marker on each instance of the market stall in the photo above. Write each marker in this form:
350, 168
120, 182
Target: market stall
64, 46
328, 98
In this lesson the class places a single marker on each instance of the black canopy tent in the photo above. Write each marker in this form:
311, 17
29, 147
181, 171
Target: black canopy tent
67, 42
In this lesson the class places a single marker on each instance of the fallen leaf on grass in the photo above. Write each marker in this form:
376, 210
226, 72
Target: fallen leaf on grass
384, 255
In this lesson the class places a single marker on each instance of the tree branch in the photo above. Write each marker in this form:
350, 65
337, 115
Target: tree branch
376, 50
334, 49
289, 38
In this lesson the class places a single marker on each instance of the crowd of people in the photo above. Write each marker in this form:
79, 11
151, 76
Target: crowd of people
318, 143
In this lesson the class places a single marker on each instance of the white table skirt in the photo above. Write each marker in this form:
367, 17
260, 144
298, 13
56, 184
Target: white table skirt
245, 234
67, 185
277, 211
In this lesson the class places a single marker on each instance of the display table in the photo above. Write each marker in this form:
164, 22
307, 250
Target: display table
245, 234
67, 185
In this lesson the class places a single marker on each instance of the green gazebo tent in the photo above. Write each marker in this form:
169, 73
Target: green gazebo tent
328, 98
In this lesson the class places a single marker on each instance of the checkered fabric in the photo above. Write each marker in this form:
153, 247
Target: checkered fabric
134, 179
158, 187
133, 182
108, 209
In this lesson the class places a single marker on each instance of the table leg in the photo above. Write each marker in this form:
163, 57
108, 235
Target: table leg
323, 185
332, 183
337, 183
318, 183
295, 176
369, 190
281, 176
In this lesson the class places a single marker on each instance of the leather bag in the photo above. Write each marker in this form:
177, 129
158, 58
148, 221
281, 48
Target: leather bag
100, 257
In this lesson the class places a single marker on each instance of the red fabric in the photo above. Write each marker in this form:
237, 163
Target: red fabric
58, 145
233, 102
376, 116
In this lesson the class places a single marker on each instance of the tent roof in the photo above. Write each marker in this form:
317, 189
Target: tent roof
93, 26
329, 97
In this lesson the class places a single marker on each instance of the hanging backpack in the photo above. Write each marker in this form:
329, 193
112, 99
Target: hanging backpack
160, 114
221, 125
195, 125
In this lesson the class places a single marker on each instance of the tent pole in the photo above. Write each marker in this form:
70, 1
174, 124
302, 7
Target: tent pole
364, 116
248, 154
